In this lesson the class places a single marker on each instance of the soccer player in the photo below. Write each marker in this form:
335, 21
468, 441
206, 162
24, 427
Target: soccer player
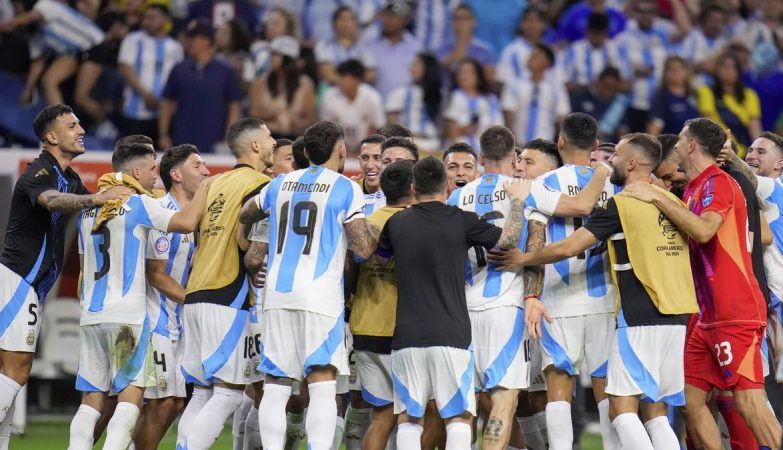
397, 149
168, 265
371, 167
431, 356
668, 171
114, 334
461, 168
373, 306
723, 350
316, 214
219, 349
43, 197
651, 269
494, 299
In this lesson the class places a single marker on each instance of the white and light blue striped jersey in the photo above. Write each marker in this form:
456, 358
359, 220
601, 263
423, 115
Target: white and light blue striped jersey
63, 30
257, 62
582, 63
114, 281
485, 287
307, 240
648, 49
329, 51
432, 22
408, 102
770, 194
537, 107
177, 249
151, 59
696, 47
482, 109
580, 285
512, 65
373, 202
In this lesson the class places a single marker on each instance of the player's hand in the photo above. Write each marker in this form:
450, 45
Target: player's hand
518, 189
641, 191
114, 193
259, 280
507, 260
534, 311
601, 168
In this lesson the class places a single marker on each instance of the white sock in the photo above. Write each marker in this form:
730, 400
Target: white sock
458, 436
209, 423
294, 431
238, 426
541, 421
356, 423
321, 419
119, 431
197, 401
558, 419
252, 433
82, 428
271, 415
8, 390
632, 432
339, 432
409, 436
661, 434
5, 428
531, 433
609, 435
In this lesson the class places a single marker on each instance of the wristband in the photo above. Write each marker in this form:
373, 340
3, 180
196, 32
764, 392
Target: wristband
529, 297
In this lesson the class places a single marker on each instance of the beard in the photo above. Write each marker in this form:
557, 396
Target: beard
617, 178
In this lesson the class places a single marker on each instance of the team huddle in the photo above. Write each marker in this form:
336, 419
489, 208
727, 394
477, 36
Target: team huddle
392, 310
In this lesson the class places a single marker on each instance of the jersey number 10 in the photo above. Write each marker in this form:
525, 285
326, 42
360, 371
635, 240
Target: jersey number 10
307, 230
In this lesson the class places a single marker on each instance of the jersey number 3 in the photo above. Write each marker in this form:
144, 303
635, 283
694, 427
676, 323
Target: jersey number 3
104, 249
307, 229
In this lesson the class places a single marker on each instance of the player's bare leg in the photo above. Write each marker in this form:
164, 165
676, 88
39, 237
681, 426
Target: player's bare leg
156, 418
623, 412
500, 418
410, 431
120, 428
459, 431
752, 404
106, 412
434, 432
381, 426
698, 418
560, 391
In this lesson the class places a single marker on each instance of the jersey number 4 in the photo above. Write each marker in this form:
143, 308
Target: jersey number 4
104, 249
307, 229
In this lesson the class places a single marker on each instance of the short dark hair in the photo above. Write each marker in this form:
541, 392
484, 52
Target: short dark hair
133, 139
429, 176
497, 142
160, 7
610, 72
279, 143
395, 130
340, 10
373, 139
396, 180
129, 152
708, 134
547, 51
238, 128
597, 22
459, 147
46, 117
579, 130
607, 147
405, 143
172, 158
546, 147
709, 8
466, 7
351, 67
298, 152
668, 141
320, 140
775, 138
648, 144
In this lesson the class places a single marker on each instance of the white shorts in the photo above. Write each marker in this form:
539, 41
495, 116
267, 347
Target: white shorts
20, 313
498, 348
648, 361
167, 356
569, 341
218, 345
113, 356
293, 342
537, 378
375, 375
444, 374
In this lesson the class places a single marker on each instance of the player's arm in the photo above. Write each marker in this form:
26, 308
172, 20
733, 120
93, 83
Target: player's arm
54, 200
350, 274
362, 237
733, 161
534, 276
584, 202
162, 281
766, 232
514, 260
251, 211
518, 190
21, 20
242, 231
187, 220
254, 258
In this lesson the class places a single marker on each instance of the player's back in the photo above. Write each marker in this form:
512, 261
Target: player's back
307, 240
218, 273
114, 284
580, 285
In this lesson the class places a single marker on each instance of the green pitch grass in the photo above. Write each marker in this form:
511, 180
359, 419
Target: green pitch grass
54, 436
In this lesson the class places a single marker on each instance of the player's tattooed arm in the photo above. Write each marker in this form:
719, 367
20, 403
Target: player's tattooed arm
54, 200
254, 258
582, 204
251, 212
533, 275
362, 238
513, 227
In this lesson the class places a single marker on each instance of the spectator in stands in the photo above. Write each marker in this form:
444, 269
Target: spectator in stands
765, 25
219, 12
145, 60
675, 101
342, 46
584, 59
397, 47
464, 44
473, 107
574, 21
532, 29
315, 17
533, 106
277, 23
284, 99
202, 95
704, 42
606, 103
417, 105
353, 104
232, 42
432, 22
766, 77
736, 24
497, 21
730, 103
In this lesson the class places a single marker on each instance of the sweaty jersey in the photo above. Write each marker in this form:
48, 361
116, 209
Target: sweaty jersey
114, 281
177, 249
218, 272
487, 287
580, 285
770, 194
307, 240
726, 288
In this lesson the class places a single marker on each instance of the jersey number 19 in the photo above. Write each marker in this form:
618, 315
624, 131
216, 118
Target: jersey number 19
307, 230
